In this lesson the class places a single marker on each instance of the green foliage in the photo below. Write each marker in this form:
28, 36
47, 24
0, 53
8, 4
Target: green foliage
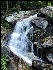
6, 25
13, 5
49, 3
33, 4
51, 15
13, 9
39, 2
4, 61
52, 3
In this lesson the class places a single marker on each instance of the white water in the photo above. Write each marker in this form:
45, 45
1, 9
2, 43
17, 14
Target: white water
19, 41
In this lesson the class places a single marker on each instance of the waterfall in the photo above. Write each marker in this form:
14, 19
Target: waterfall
19, 40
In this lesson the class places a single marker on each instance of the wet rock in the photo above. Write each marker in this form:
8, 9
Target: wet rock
14, 17
40, 22
11, 54
42, 65
10, 19
37, 63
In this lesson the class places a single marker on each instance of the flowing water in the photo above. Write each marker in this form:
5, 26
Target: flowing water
19, 42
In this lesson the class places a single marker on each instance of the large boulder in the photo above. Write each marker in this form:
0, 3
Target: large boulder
40, 22
47, 10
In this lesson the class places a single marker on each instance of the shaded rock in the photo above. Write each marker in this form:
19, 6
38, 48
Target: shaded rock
50, 57
40, 22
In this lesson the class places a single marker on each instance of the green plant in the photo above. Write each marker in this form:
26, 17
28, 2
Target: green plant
13, 9
39, 2
49, 3
51, 15
4, 63
6, 25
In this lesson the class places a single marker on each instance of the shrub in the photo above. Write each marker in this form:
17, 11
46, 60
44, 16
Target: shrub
4, 61
49, 3
13, 9
6, 25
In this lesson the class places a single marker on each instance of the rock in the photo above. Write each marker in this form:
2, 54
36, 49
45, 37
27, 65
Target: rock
35, 42
10, 19
47, 10
3, 30
40, 22
47, 13
15, 16
50, 57
48, 42
13, 66
27, 12
19, 67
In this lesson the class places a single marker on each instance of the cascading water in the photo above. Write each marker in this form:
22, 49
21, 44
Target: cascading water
19, 42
